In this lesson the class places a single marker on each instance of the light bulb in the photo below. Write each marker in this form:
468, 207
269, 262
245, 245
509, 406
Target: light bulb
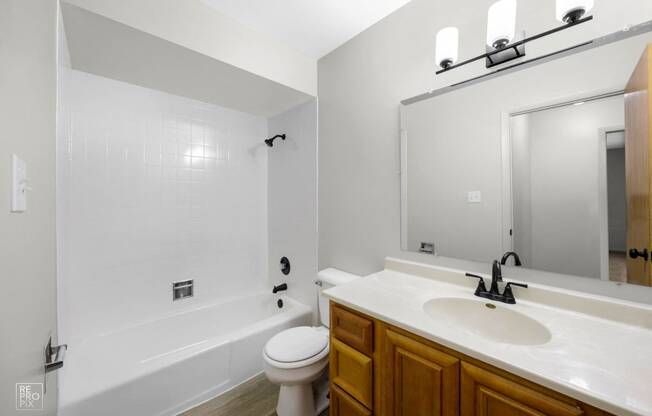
570, 11
447, 46
501, 23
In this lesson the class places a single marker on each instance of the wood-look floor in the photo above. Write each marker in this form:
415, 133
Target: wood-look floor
617, 267
257, 397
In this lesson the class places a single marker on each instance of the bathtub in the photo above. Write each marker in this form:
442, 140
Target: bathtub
169, 365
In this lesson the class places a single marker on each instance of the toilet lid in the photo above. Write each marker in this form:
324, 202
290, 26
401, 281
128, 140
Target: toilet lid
296, 344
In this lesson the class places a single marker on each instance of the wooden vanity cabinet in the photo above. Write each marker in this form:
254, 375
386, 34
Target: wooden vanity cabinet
378, 369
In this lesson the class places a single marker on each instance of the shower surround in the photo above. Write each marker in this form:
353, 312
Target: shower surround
154, 188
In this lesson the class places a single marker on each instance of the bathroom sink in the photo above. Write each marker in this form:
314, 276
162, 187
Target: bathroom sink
495, 322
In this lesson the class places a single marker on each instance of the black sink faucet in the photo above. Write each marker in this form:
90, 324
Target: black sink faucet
496, 276
494, 292
506, 256
280, 288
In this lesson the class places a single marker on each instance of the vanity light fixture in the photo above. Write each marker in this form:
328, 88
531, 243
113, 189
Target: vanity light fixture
570, 11
447, 46
501, 33
501, 23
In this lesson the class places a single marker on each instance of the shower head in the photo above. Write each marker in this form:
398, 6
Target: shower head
270, 142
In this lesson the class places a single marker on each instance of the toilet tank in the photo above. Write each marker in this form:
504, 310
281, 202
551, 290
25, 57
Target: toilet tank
329, 278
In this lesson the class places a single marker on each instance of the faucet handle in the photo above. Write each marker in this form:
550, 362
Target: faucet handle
508, 294
481, 286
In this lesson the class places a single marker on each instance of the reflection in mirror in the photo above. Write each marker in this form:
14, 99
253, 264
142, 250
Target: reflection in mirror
549, 163
568, 189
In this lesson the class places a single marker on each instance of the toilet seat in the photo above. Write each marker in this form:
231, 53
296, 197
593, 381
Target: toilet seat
296, 347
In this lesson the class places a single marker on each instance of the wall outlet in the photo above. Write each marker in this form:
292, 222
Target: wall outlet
474, 197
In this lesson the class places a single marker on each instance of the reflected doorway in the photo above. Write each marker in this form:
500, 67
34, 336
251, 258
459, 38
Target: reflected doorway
616, 204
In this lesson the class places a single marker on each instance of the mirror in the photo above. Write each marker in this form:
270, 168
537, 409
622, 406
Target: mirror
547, 162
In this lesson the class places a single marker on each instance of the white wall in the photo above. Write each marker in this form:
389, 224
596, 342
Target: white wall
154, 188
292, 200
362, 83
197, 26
28, 42
563, 217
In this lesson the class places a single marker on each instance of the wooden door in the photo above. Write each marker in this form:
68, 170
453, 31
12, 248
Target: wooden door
484, 393
341, 404
417, 379
637, 154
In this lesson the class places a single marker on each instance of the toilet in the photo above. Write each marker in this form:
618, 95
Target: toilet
297, 358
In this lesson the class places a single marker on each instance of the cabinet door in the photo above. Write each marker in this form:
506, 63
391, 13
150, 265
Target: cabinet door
417, 379
341, 404
487, 394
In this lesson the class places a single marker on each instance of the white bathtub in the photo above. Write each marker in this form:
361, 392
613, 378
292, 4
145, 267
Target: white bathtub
169, 365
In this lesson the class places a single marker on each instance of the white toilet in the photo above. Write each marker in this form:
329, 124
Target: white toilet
297, 358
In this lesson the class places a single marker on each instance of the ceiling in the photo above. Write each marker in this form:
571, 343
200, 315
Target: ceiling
313, 27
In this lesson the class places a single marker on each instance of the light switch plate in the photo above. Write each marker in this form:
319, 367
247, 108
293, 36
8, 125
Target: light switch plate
18, 184
474, 197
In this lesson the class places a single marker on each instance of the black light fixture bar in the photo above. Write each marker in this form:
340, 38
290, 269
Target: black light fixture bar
529, 61
516, 45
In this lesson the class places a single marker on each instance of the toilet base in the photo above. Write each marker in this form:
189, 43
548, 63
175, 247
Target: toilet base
297, 400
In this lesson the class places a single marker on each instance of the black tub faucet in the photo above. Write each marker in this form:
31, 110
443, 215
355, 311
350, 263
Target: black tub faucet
280, 288
506, 256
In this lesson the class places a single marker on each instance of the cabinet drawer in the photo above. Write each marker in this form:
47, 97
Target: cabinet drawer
352, 329
352, 372
487, 394
344, 405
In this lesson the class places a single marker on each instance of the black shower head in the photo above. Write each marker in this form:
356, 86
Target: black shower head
270, 142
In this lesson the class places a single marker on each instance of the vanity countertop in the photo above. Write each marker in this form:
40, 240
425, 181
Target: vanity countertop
599, 351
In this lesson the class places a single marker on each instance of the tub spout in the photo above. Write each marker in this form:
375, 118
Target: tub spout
280, 288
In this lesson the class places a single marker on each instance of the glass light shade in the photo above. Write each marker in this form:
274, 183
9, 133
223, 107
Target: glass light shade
501, 23
571, 10
448, 40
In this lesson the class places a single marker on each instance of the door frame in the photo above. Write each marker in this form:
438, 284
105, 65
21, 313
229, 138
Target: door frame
603, 197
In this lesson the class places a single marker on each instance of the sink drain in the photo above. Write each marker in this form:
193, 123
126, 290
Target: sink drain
490, 306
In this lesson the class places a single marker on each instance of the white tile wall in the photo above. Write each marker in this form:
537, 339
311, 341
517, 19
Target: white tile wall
154, 188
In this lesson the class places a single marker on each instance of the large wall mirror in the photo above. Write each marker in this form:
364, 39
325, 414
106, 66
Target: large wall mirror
549, 162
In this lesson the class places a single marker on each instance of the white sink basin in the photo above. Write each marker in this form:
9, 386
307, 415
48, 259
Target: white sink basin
495, 322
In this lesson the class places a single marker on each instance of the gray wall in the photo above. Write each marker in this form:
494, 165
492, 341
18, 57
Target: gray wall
617, 197
28, 80
292, 201
361, 85
564, 170
448, 156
